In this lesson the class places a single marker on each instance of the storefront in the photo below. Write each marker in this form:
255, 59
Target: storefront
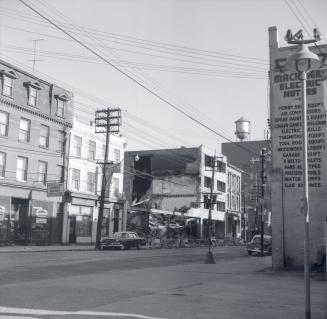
81, 220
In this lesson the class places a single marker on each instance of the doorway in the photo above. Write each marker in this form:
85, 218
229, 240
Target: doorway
22, 225
72, 229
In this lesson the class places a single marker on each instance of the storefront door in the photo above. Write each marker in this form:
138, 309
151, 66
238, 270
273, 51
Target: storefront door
72, 229
22, 221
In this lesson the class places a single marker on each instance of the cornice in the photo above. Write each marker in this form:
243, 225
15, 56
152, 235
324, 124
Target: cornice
35, 112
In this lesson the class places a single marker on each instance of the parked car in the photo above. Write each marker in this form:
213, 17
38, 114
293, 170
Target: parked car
254, 246
122, 240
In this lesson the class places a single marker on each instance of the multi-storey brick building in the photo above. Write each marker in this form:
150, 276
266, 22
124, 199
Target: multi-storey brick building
35, 119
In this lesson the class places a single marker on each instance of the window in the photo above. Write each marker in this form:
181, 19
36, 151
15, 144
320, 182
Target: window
91, 182
32, 96
61, 141
76, 174
115, 182
221, 186
92, 150
60, 107
117, 155
221, 206
44, 136
221, 167
208, 161
2, 164
42, 172
4, 123
77, 146
7, 85
207, 181
24, 130
22, 165
59, 173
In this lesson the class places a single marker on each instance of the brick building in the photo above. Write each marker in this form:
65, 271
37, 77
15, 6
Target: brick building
35, 119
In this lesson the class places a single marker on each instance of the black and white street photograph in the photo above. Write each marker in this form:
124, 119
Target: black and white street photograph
163, 159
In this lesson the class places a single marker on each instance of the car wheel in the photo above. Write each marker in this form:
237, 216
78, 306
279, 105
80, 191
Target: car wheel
249, 252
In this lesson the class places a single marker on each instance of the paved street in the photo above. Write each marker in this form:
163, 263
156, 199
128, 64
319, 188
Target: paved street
167, 283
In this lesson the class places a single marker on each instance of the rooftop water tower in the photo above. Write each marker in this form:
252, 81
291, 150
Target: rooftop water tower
242, 129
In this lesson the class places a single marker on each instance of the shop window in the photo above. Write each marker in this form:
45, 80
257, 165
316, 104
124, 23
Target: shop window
22, 166
2, 164
4, 123
24, 130
44, 136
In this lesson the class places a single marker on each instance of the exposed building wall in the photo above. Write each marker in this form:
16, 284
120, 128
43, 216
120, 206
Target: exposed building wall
286, 123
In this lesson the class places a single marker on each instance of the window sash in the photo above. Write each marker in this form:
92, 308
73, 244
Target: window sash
77, 146
42, 172
21, 173
90, 182
60, 107
2, 164
76, 178
44, 135
61, 142
32, 96
92, 150
4, 122
60, 173
7, 86
24, 130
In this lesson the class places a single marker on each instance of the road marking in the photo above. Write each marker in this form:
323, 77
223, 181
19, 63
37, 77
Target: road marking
40, 312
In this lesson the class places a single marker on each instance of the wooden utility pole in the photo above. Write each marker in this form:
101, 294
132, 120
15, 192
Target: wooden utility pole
106, 121
209, 257
263, 182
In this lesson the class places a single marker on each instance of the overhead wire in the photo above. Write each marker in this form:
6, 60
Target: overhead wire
131, 77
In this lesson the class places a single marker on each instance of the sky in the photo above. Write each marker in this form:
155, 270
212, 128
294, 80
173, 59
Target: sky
205, 59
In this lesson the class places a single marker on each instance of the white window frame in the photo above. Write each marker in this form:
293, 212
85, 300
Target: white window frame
22, 172
92, 153
76, 182
91, 181
5, 85
44, 138
78, 141
117, 155
61, 105
61, 141
32, 99
23, 132
3, 159
59, 173
4, 124
42, 172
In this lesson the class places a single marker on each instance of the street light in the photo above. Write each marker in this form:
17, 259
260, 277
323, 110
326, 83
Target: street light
303, 61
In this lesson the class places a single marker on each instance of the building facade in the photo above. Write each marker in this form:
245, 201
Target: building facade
35, 120
178, 182
287, 174
86, 152
233, 202
246, 156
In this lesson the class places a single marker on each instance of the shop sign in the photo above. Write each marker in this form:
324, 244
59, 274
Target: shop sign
40, 220
55, 189
40, 212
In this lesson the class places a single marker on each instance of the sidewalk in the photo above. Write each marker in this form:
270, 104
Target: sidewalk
25, 249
